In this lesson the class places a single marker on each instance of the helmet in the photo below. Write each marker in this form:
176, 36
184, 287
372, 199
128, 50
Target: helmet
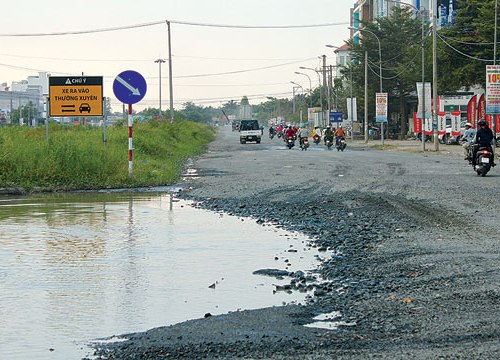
482, 122
468, 124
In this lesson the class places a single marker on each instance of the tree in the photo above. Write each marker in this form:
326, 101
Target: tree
244, 101
465, 48
197, 113
230, 107
400, 40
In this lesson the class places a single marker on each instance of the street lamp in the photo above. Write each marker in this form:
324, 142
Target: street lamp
297, 86
320, 87
423, 115
310, 87
380, 70
350, 85
159, 61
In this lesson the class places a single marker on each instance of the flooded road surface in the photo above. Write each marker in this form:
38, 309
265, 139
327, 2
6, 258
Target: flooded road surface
78, 267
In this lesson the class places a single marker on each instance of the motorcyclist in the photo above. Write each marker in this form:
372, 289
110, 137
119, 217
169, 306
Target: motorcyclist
317, 134
272, 131
468, 139
289, 132
484, 137
328, 134
339, 133
303, 133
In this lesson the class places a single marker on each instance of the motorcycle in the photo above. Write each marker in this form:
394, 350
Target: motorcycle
290, 142
316, 139
329, 143
484, 159
341, 144
272, 133
304, 143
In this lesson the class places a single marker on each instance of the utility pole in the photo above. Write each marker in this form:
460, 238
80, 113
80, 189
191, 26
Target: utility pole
171, 87
329, 92
423, 78
494, 117
434, 78
366, 96
327, 120
159, 62
352, 104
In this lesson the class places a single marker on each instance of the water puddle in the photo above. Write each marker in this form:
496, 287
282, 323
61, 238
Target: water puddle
78, 267
329, 321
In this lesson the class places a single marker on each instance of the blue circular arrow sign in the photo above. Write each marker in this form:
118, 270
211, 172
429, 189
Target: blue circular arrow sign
129, 87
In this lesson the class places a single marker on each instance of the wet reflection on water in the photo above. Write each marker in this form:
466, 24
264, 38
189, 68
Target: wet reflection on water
76, 267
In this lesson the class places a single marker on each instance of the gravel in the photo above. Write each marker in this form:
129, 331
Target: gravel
409, 245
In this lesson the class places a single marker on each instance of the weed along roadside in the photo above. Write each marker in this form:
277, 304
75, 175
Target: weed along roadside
76, 158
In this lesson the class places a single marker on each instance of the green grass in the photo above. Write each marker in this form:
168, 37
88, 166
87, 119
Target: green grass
384, 147
76, 158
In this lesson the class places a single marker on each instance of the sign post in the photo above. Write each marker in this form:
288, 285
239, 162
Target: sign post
336, 117
129, 87
75, 96
381, 112
493, 94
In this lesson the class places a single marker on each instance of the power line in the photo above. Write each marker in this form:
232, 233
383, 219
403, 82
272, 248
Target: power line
155, 23
259, 26
462, 53
175, 77
466, 43
144, 60
241, 71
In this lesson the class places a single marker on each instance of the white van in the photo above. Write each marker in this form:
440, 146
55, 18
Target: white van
250, 131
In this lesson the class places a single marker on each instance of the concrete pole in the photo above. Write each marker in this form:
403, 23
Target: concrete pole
159, 62
352, 104
434, 78
366, 96
423, 77
494, 117
171, 87
327, 120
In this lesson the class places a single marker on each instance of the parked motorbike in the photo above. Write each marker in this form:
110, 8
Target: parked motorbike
290, 142
304, 143
484, 159
341, 144
316, 139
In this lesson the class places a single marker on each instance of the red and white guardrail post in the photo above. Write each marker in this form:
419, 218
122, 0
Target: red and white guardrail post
130, 122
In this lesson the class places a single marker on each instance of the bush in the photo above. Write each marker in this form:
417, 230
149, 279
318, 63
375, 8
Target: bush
77, 158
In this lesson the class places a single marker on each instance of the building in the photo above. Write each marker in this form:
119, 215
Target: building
34, 89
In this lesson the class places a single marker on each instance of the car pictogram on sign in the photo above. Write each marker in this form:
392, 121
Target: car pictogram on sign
84, 107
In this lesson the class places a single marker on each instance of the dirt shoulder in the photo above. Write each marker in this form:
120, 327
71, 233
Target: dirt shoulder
409, 261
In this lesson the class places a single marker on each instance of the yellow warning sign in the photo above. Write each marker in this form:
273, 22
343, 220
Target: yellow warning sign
75, 96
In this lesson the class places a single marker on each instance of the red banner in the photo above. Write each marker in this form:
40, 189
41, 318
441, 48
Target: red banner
441, 123
472, 111
481, 108
497, 123
489, 120
455, 122
417, 124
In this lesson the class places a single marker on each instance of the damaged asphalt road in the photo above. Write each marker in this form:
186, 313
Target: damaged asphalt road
409, 244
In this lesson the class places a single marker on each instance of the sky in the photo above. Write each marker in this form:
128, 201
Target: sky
211, 64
